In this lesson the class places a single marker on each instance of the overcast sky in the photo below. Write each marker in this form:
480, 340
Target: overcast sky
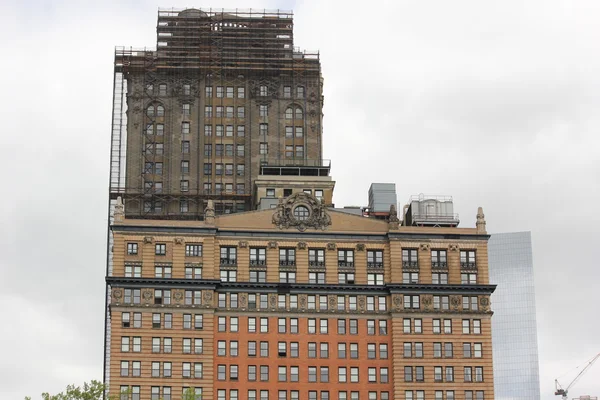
493, 102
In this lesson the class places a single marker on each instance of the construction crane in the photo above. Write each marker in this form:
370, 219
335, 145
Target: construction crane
564, 392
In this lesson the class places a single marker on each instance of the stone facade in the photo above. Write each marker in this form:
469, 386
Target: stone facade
336, 298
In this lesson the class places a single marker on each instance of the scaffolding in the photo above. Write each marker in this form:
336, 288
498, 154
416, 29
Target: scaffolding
197, 49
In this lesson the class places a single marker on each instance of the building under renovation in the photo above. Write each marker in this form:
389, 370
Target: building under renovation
224, 95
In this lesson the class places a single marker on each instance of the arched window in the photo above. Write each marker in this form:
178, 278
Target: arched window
160, 111
289, 113
150, 111
294, 112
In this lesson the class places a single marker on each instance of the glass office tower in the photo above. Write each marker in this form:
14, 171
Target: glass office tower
514, 327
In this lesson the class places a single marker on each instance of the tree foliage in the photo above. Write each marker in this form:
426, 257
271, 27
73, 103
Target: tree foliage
89, 391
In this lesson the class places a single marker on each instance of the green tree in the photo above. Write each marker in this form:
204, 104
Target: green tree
89, 391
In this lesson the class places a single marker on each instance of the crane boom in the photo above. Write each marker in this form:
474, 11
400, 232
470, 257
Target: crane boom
564, 392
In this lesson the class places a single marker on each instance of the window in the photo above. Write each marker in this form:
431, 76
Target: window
316, 277
383, 375
467, 259
264, 326
160, 249
301, 213
477, 352
408, 350
341, 327
222, 324
447, 326
478, 374
241, 112
419, 374
438, 259
439, 278
264, 373
468, 278
342, 350
263, 148
374, 258
186, 109
409, 258
219, 111
354, 350
221, 348
353, 327
410, 277
354, 374
134, 271
287, 91
477, 326
382, 327
319, 194
383, 351
342, 375
258, 256
228, 256
448, 350
437, 374
316, 258
449, 374
198, 346
300, 92
299, 151
263, 129
470, 303
198, 321
233, 348
208, 91
468, 374
294, 349
162, 89
132, 248
441, 303
345, 258
411, 302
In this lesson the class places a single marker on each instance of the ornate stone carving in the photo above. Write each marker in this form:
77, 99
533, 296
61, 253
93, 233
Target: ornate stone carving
484, 302
393, 220
302, 245
455, 302
453, 247
272, 245
302, 301
207, 297
119, 210
148, 239
243, 300
243, 244
424, 246
117, 294
179, 240
209, 213
273, 300
361, 303
332, 302
480, 224
302, 211
427, 301
397, 301
178, 295
147, 295
331, 246
360, 247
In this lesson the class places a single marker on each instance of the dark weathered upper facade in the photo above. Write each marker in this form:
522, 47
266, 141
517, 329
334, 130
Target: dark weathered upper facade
225, 93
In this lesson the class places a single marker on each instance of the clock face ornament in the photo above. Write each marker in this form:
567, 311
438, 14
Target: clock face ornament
301, 211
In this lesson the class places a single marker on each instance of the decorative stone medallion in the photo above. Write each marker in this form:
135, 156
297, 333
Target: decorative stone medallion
424, 247
302, 245
360, 247
302, 211
148, 239
331, 246
243, 244
272, 245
